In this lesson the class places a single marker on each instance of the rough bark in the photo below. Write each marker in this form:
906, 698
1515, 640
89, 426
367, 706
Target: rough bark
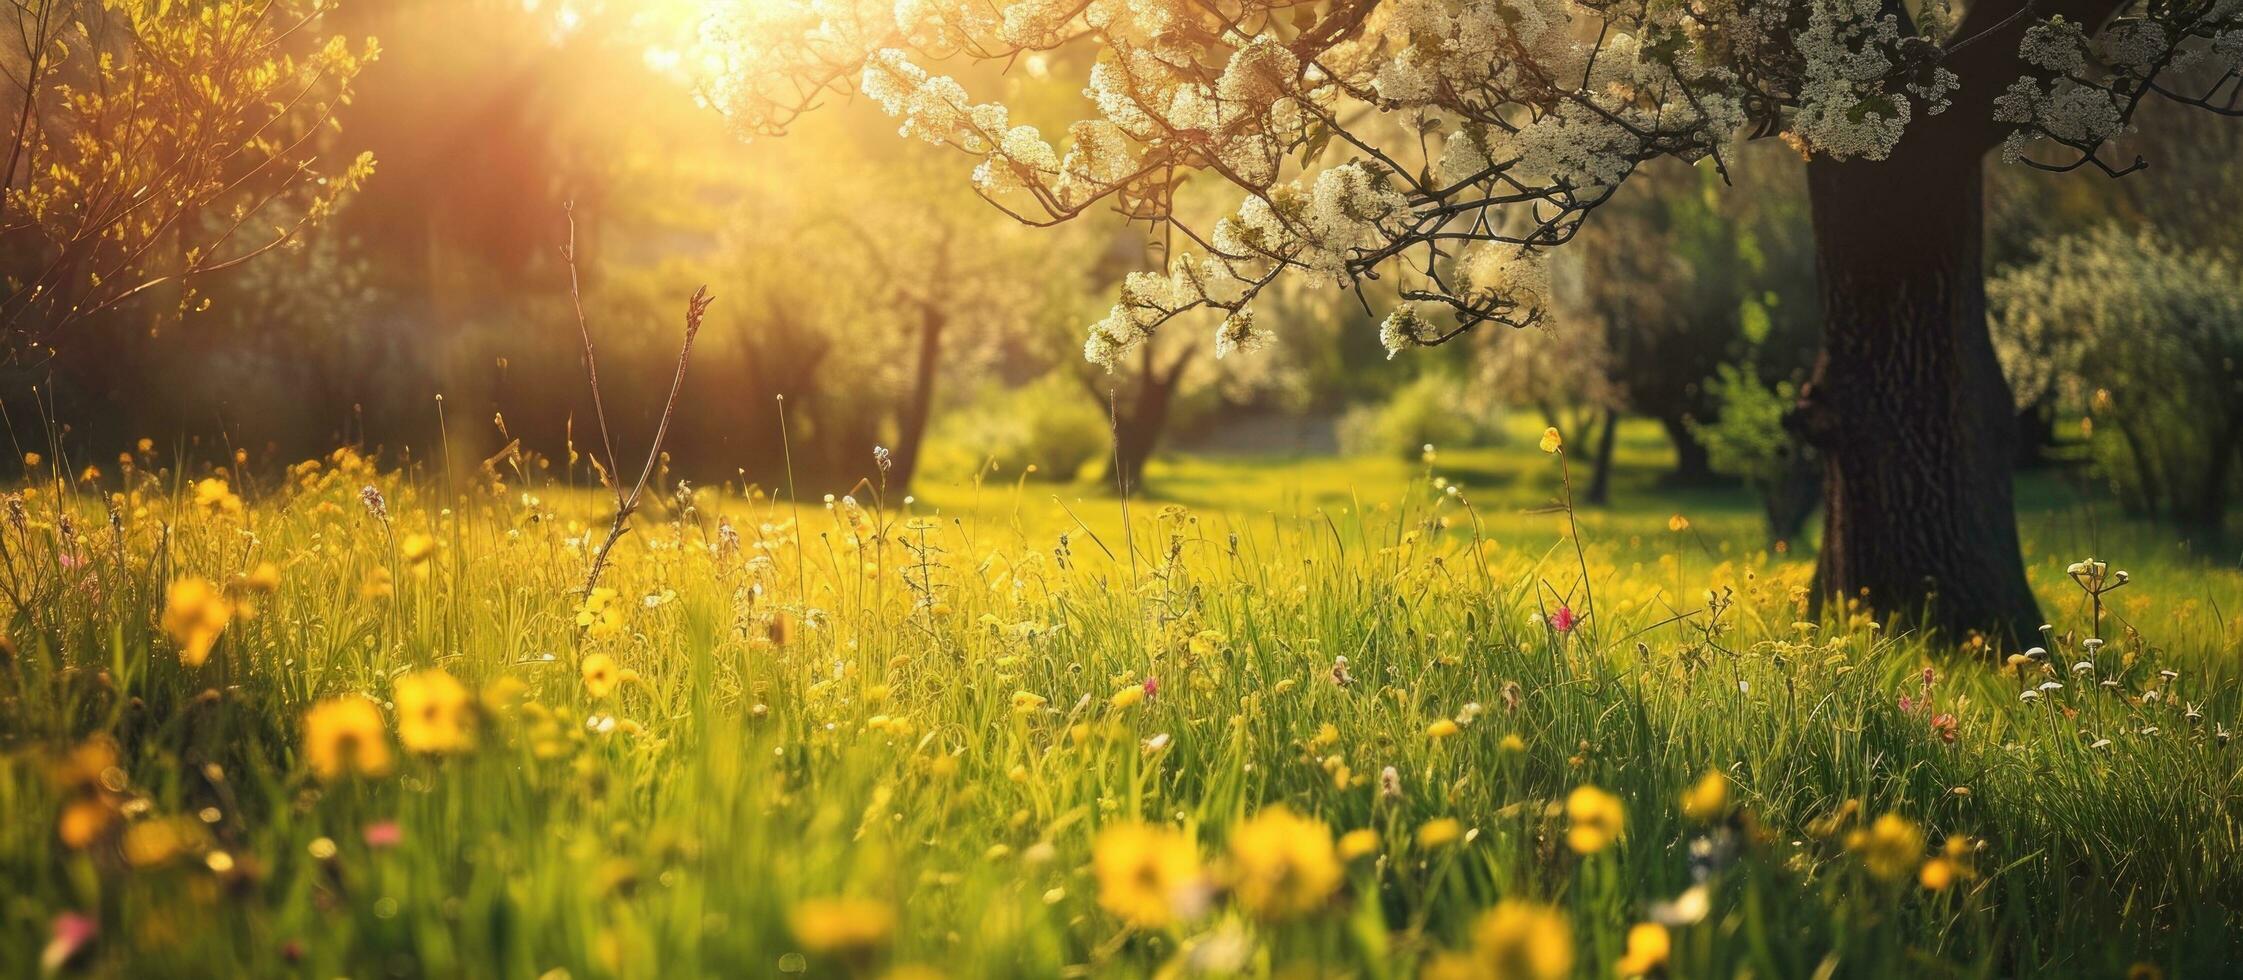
1907, 403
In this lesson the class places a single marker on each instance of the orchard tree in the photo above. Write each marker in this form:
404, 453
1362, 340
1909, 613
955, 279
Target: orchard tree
934, 294
1680, 275
155, 143
1440, 148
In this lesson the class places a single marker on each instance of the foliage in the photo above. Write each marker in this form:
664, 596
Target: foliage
1684, 270
1437, 409
1440, 148
157, 143
1748, 439
1046, 424
2146, 337
383, 734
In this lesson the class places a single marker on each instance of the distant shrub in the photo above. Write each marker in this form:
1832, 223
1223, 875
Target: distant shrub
1437, 409
2146, 337
1748, 440
1049, 424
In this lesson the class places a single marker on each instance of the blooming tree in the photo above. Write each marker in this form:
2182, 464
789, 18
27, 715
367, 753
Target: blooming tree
156, 143
1431, 152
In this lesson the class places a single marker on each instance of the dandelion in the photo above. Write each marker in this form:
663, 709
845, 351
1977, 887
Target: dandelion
1708, 798
1128, 697
1361, 842
830, 925
151, 844
1889, 847
1551, 441
1441, 729
1522, 940
416, 548
264, 578
1648, 946
1148, 876
1678, 523
1950, 865
1283, 863
1595, 819
214, 495
344, 736
435, 714
195, 612
83, 822
1512, 744
1439, 832
600, 675
1026, 702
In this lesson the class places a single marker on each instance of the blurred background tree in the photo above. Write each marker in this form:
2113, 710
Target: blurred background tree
155, 146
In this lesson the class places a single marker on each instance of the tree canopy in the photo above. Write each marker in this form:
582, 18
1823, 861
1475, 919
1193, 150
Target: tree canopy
1441, 146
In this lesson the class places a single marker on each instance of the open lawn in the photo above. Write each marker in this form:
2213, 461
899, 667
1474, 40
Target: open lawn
1305, 717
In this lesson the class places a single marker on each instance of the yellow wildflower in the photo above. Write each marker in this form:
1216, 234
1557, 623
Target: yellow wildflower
1952, 864
1129, 696
1148, 876
1708, 798
83, 822
212, 494
1361, 842
1439, 832
1282, 863
416, 548
195, 612
600, 675
435, 714
1596, 819
149, 843
1551, 441
264, 578
1521, 940
1648, 946
1890, 847
601, 614
826, 925
1441, 729
343, 736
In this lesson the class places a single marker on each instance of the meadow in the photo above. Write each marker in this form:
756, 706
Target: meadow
1338, 717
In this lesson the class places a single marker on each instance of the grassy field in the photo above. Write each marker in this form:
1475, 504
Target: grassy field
1284, 717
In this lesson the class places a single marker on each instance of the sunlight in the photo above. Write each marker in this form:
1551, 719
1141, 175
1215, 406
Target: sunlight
905, 489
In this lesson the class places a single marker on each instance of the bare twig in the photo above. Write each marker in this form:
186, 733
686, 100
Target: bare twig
696, 307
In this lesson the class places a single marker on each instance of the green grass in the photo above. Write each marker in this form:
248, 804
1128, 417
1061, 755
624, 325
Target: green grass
826, 713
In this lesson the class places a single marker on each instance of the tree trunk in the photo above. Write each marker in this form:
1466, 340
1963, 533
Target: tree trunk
1907, 403
911, 428
1600, 479
1139, 421
1692, 467
1788, 501
2036, 434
